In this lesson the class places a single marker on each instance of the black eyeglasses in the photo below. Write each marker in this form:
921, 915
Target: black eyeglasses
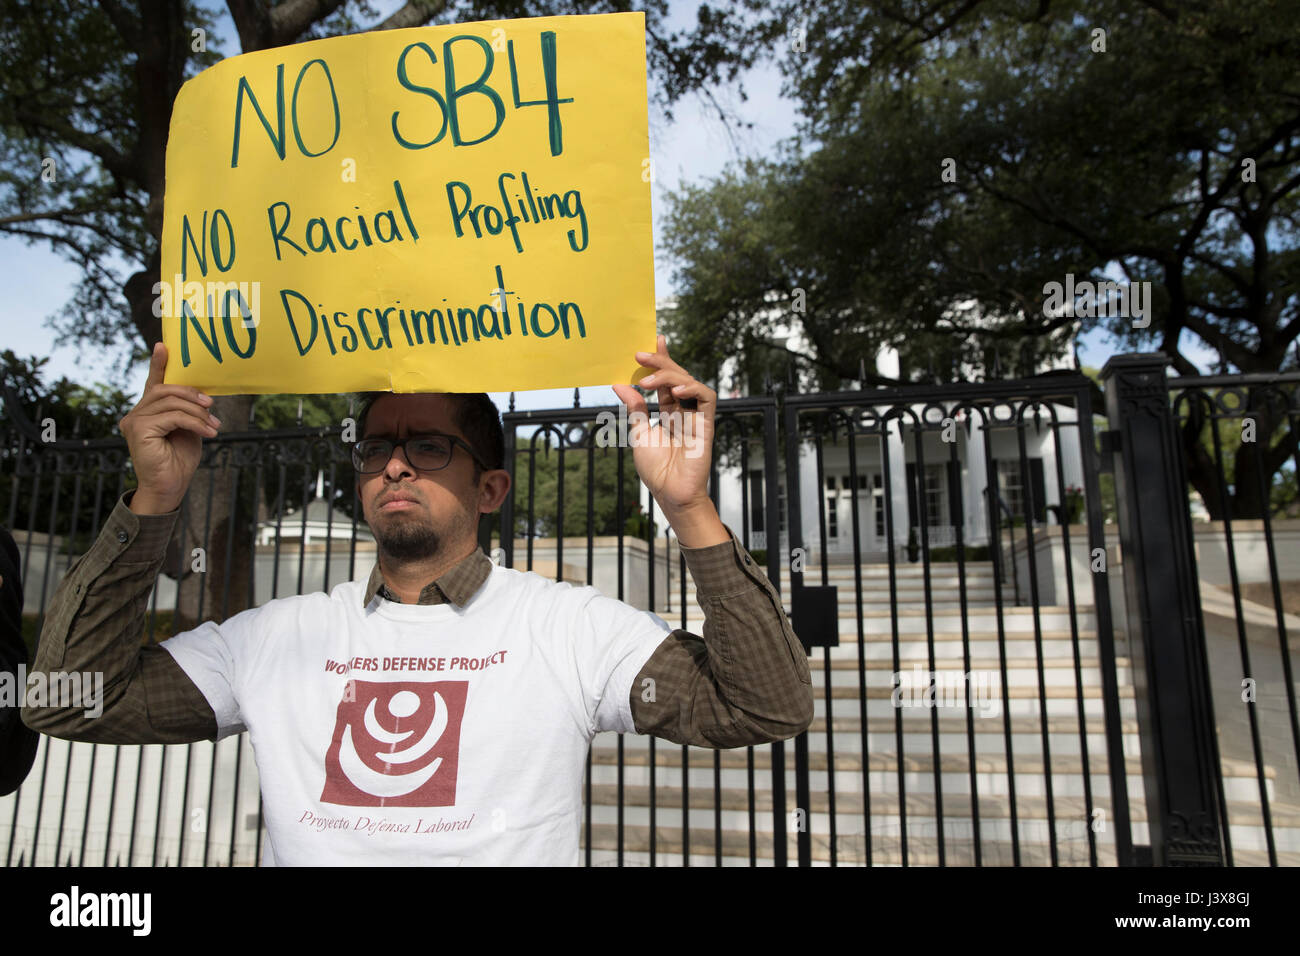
425, 453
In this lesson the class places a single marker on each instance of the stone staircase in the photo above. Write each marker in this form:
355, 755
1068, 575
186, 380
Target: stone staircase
859, 791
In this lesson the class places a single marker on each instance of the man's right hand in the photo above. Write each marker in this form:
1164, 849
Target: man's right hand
164, 433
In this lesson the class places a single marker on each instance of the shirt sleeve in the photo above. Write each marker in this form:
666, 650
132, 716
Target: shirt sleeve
210, 656
95, 624
614, 642
745, 680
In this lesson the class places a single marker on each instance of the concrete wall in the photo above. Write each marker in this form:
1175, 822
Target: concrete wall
1249, 548
281, 578
1050, 565
604, 576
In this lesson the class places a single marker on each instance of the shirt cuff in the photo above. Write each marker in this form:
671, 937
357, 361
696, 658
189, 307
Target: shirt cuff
724, 569
141, 538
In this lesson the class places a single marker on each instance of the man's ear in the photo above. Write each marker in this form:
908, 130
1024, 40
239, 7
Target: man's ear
493, 490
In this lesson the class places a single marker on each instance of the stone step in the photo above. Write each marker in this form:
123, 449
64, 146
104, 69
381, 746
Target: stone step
881, 771
949, 674
1017, 620
989, 736
1071, 814
886, 850
950, 647
1060, 704
945, 571
670, 754
668, 799
910, 590
951, 720
846, 587
1015, 692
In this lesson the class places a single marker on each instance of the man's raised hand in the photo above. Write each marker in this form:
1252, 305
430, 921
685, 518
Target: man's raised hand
165, 433
672, 457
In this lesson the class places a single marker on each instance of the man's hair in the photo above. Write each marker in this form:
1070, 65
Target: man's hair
476, 417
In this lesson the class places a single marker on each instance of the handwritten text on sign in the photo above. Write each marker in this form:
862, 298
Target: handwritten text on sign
460, 208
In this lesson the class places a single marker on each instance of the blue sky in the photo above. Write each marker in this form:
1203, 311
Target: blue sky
695, 146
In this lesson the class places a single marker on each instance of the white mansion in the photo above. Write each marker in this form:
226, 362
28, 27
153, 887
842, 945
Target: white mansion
976, 471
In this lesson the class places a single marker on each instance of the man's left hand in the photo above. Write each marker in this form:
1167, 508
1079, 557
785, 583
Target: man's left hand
673, 456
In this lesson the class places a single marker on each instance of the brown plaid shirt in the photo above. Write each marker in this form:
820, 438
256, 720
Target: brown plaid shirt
744, 681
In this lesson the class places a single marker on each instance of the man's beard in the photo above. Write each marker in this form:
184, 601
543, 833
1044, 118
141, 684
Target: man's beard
406, 541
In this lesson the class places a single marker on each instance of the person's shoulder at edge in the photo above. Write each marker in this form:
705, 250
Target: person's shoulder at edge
573, 596
544, 584
310, 600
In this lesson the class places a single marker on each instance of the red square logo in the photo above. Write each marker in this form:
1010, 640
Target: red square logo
396, 744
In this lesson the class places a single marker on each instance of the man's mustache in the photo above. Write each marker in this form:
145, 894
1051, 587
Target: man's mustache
398, 495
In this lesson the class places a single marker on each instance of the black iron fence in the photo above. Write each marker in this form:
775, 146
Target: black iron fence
1238, 440
1002, 596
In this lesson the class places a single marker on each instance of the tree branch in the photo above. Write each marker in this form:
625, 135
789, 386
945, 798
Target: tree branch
1238, 354
57, 214
1232, 275
123, 23
293, 18
113, 161
416, 13
252, 22
1276, 456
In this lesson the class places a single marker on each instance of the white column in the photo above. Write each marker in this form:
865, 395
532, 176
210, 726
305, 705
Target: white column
808, 495
898, 484
977, 479
1047, 447
1071, 459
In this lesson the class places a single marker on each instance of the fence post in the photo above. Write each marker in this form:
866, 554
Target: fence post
1175, 714
776, 556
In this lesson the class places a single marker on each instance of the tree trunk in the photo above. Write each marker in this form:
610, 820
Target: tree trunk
1242, 491
216, 517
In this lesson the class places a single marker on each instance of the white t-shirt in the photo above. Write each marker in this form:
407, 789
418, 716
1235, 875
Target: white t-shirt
424, 734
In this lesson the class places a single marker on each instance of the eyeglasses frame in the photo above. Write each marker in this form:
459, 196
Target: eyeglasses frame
401, 443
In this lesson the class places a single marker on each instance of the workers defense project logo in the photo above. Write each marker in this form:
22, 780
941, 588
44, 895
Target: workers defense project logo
396, 744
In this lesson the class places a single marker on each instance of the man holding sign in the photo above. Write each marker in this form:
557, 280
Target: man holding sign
428, 214
442, 712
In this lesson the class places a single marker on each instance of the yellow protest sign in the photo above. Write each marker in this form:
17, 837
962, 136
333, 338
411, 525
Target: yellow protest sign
453, 208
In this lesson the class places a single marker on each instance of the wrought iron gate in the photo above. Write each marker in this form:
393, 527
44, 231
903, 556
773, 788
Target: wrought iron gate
949, 554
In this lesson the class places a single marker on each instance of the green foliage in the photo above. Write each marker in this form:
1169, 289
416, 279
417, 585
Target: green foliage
1109, 507
307, 411
977, 553
91, 86
1284, 501
1073, 504
1064, 160
74, 95
304, 411
639, 525
1242, 453
604, 479
76, 411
